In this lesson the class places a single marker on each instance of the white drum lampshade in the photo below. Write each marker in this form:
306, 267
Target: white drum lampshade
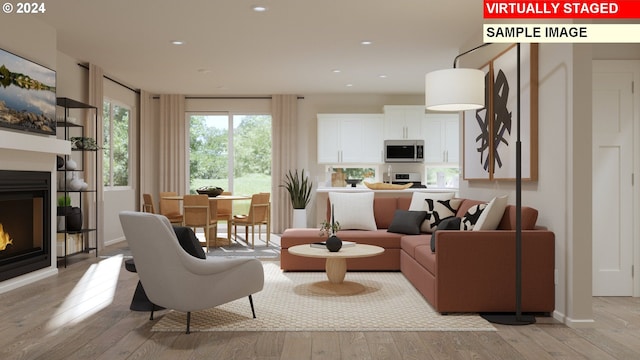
454, 89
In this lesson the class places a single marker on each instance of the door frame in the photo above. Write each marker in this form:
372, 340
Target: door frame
632, 66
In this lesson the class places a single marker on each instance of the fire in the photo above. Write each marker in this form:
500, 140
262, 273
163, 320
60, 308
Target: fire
4, 239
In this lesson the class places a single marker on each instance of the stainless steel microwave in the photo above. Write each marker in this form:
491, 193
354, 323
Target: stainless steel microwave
404, 151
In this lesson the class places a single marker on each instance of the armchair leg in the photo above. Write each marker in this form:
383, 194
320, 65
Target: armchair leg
252, 309
188, 322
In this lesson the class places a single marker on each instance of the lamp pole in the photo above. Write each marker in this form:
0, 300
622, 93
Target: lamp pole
519, 318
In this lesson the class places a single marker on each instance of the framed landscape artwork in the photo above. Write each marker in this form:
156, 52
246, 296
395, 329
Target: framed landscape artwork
499, 134
27, 95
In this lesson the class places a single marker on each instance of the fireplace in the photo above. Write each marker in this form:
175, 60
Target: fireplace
25, 222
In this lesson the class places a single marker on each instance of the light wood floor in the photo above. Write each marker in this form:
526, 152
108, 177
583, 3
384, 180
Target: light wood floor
83, 313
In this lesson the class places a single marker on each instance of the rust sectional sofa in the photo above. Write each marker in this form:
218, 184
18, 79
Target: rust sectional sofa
470, 271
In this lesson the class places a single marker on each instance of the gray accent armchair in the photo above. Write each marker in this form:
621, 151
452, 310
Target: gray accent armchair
176, 280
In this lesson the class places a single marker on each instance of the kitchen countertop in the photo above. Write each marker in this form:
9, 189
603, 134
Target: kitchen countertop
366, 189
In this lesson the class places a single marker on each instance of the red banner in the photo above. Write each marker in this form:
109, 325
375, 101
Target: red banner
518, 9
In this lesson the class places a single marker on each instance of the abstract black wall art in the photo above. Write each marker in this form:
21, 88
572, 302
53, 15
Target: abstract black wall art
499, 161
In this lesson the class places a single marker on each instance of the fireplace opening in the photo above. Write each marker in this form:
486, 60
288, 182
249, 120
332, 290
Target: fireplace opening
25, 222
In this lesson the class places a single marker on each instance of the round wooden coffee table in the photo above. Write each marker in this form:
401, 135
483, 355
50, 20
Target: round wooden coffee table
336, 265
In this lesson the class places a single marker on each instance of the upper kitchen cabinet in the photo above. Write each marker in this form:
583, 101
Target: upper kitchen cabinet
403, 122
442, 138
350, 138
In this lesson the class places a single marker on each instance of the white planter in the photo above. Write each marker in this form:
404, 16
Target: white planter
299, 218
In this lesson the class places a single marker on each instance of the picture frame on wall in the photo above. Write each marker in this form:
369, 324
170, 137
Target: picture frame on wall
501, 97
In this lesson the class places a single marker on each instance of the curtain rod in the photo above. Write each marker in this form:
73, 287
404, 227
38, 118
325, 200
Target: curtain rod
228, 97
137, 91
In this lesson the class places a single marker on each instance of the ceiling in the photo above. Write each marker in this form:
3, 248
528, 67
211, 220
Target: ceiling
292, 48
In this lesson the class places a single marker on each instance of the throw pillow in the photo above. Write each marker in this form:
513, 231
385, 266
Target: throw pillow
470, 218
189, 241
353, 210
438, 210
492, 214
407, 222
452, 223
418, 198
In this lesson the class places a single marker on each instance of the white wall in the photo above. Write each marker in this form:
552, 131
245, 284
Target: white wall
41, 48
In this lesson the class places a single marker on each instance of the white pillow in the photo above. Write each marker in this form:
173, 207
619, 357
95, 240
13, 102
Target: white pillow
353, 210
492, 214
418, 198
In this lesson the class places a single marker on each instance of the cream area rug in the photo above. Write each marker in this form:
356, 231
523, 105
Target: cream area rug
290, 301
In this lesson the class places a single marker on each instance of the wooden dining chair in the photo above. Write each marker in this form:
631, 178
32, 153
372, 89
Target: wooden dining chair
170, 208
147, 205
199, 212
259, 214
225, 212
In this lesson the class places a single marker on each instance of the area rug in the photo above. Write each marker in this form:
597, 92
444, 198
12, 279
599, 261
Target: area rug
388, 302
239, 247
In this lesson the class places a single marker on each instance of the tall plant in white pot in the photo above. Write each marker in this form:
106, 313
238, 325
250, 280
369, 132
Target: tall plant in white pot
299, 187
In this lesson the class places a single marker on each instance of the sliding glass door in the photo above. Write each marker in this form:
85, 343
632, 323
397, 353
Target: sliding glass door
232, 151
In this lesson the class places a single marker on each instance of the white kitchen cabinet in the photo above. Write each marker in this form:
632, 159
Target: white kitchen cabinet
350, 138
442, 138
403, 122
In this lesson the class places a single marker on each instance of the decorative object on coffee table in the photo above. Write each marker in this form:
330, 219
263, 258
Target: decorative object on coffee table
334, 243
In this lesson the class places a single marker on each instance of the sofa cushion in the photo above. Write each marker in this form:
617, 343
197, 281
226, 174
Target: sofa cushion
452, 223
425, 257
407, 222
353, 210
409, 243
472, 215
492, 214
382, 238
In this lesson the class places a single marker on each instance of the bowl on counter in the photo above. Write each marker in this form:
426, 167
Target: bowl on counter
353, 182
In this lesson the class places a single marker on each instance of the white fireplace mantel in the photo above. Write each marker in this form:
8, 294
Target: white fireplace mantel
33, 152
28, 142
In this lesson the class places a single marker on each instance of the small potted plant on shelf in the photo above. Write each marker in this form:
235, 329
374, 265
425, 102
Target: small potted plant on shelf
299, 188
69, 217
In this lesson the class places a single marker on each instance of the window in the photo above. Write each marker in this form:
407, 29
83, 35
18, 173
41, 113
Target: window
116, 120
230, 151
443, 177
338, 176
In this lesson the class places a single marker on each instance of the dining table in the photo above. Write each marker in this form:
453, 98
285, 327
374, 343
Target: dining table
212, 200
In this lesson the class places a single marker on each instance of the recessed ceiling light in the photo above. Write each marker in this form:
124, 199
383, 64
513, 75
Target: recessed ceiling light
336, 71
177, 42
366, 42
259, 8
382, 76
349, 85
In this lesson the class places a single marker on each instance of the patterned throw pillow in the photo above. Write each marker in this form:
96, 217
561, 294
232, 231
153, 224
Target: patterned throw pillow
438, 210
471, 217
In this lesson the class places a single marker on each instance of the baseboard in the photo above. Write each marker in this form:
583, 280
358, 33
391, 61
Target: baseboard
579, 323
114, 241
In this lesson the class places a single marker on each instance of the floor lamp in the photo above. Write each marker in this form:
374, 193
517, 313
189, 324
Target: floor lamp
463, 89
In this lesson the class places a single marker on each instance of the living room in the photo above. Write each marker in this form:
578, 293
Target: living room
562, 193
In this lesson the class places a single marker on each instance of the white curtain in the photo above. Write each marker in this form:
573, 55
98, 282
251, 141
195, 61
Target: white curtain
284, 115
173, 144
96, 77
148, 182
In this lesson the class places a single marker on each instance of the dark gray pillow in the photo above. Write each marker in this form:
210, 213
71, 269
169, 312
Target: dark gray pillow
407, 222
189, 241
452, 223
